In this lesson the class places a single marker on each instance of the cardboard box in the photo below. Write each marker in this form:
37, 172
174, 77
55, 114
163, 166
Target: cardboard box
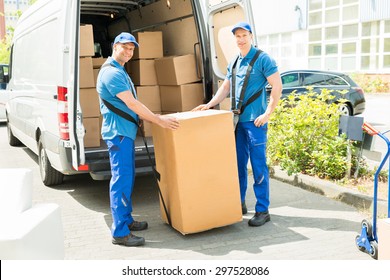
98, 62
176, 70
181, 98
92, 132
150, 97
198, 167
95, 75
89, 101
150, 45
86, 73
87, 47
142, 72
384, 239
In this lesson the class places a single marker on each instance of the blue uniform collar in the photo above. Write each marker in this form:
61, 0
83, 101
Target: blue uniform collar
113, 62
250, 54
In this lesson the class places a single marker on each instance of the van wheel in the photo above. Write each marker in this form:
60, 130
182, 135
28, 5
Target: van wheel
12, 140
49, 175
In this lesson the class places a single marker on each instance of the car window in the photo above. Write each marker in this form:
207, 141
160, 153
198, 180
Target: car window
335, 80
290, 80
313, 79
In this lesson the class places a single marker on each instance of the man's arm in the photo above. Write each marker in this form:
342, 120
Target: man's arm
144, 113
220, 95
276, 91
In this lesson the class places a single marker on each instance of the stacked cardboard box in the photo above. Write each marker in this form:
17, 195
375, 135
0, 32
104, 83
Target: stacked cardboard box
89, 99
96, 64
198, 167
143, 74
177, 77
150, 97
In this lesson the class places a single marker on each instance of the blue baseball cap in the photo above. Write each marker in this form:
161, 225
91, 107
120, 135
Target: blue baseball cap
242, 25
124, 38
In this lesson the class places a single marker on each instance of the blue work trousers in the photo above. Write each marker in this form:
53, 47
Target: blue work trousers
121, 151
251, 143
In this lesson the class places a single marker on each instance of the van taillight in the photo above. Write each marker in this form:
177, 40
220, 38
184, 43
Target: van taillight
62, 109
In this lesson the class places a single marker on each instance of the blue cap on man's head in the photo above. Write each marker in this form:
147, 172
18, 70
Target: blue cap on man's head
124, 38
242, 25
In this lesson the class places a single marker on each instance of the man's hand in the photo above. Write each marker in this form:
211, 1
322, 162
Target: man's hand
202, 107
261, 120
168, 122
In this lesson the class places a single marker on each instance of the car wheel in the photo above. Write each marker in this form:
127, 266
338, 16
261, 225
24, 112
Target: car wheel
345, 110
49, 175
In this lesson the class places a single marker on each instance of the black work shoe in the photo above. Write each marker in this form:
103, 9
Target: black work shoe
259, 219
243, 208
129, 240
137, 226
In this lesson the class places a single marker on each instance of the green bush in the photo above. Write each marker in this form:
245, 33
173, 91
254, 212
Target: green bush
303, 136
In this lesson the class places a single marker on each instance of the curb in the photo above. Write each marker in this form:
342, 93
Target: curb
331, 190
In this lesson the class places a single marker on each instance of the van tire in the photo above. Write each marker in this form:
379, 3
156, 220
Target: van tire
49, 176
12, 140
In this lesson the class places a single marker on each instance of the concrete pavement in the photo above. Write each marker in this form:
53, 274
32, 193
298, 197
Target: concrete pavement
304, 225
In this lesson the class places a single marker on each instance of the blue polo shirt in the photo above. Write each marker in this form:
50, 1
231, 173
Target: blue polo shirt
111, 81
264, 67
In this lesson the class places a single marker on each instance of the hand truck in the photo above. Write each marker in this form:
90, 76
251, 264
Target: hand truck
367, 240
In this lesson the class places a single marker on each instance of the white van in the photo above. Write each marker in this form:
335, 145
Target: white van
44, 112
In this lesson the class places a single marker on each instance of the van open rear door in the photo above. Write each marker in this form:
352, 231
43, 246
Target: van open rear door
222, 16
76, 128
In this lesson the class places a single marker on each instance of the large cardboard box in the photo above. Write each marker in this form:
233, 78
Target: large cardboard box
176, 70
150, 97
150, 45
89, 101
142, 72
86, 73
87, 47
92, 132
181, 98
198, 167
384, 239
98, 62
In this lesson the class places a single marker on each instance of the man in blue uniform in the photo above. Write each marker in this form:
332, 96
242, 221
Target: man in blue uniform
251, 129
115, 86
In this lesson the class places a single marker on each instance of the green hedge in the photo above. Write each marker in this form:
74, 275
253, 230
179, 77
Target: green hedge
303, 136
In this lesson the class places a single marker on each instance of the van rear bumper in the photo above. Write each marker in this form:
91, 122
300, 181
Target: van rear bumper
98, 160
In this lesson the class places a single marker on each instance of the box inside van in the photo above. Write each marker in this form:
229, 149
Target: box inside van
59, 46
